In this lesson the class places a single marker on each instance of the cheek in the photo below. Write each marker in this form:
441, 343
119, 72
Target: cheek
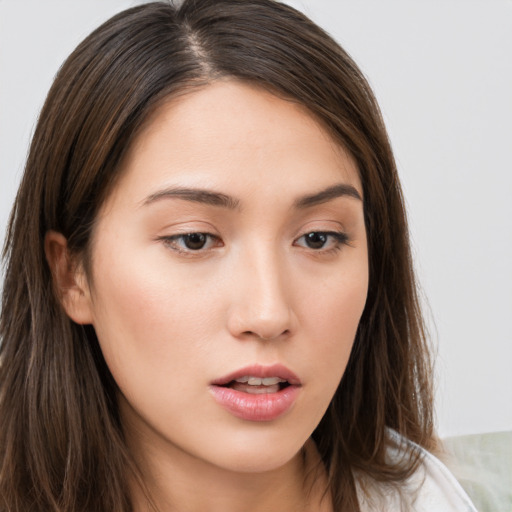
147, 320
337, 302
333, 315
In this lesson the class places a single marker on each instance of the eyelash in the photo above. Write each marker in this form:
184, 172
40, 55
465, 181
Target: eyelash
173, 241
339, 239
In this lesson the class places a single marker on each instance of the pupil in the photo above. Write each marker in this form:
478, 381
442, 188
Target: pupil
195, 241
316, 240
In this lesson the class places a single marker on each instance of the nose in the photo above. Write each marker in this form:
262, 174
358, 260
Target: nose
261, 306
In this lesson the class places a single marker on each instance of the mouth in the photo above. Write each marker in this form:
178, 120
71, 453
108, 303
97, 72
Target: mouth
259, 375
257, 393
258, 385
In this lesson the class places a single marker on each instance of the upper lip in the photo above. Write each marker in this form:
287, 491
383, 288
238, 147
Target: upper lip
262, 371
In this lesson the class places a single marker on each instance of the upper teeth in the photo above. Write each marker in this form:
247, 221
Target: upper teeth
257, 381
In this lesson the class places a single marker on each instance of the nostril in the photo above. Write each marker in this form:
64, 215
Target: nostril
265, 337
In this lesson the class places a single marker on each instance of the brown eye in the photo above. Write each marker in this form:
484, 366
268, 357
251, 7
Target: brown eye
315, 240
322, 240
192, 242
195, 241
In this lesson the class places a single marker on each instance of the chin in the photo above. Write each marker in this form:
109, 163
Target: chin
258, 454
262, 463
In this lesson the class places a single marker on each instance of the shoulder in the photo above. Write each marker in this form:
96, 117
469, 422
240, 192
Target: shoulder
431, 488
438, 489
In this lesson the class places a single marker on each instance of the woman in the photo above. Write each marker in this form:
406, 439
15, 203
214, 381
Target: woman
214, 306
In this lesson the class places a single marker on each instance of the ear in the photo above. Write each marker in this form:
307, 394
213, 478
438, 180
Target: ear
69, 279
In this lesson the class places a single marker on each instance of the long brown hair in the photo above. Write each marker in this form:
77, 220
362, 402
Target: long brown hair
61, 440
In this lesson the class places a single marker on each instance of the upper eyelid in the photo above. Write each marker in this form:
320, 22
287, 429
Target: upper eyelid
171, 241
340, 236
177, 236
335, 233
332, 232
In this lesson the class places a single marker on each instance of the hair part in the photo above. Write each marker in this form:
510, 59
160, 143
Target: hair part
61, 440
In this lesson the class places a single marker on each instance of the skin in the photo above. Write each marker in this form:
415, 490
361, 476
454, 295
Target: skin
170, 320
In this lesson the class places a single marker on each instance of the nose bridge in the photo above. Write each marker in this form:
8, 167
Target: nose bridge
261, 306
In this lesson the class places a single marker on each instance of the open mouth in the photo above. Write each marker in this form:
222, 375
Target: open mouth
257, 393
257, 385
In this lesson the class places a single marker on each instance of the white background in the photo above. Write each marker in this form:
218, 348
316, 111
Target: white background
442, 71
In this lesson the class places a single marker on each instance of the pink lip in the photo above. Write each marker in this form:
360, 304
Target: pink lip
258, 407
258, 370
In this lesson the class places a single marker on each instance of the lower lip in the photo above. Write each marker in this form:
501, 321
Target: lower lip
259, 407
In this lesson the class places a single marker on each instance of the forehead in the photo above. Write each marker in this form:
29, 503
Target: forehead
238, 135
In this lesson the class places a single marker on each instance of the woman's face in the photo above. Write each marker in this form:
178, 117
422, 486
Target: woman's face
232, 246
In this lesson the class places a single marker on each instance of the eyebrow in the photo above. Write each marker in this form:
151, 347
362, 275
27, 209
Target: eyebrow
195, 195
333, 192
203, 196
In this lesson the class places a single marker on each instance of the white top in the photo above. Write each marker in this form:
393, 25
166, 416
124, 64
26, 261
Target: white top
432, 488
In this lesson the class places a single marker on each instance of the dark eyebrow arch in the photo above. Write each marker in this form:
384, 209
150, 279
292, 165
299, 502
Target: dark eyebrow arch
327, 195
195, 195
